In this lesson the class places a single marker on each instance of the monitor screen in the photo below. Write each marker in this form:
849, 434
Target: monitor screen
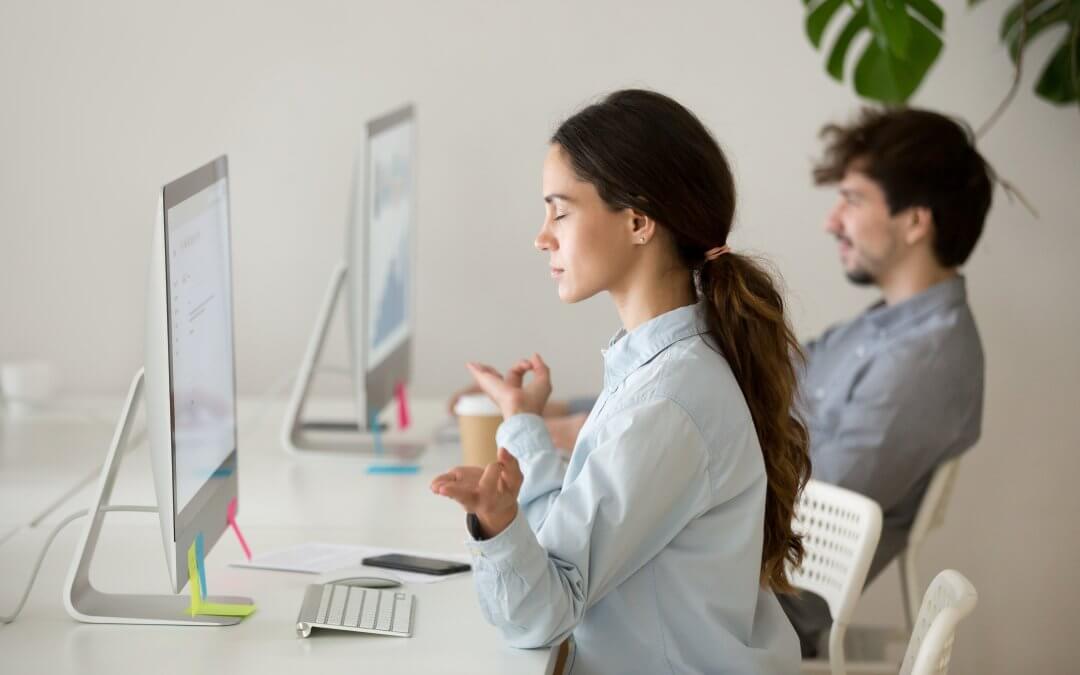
389, 215
202, 375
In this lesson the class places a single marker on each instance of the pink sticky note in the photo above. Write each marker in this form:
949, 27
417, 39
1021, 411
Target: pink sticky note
402, 406
230, 517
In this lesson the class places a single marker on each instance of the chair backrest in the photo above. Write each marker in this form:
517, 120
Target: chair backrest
840, 531
931, 514
949, 599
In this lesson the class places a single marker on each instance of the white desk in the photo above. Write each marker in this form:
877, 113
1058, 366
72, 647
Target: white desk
284, 500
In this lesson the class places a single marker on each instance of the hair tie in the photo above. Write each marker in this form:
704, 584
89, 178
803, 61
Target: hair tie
714, 253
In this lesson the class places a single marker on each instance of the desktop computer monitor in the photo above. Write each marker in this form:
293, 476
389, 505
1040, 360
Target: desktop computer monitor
189, 368
381, 263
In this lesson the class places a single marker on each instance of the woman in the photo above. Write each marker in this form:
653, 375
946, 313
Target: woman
661, 544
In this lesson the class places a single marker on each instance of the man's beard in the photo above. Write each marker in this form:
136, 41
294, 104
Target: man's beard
860, 277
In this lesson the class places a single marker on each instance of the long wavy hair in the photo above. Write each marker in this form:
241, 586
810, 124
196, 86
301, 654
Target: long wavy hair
644, 151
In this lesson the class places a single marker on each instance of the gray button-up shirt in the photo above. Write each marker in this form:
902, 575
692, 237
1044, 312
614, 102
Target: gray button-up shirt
889, 396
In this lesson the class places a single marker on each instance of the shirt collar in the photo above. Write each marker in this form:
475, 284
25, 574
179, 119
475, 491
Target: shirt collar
626, 352
943, 294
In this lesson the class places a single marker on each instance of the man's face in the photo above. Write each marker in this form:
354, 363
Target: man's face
869, 237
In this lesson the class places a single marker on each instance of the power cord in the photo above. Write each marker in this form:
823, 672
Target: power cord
253, 421
135, 441
48, 542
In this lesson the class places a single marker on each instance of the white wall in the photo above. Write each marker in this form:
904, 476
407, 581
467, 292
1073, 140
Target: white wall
101, 103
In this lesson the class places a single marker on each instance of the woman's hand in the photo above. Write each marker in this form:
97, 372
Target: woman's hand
490, 492
510, 393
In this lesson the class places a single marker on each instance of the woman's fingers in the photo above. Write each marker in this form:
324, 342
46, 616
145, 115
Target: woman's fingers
515, 376
452, 476
511, 471
489, 481
487, 379
483, 368
462, 494
539, 368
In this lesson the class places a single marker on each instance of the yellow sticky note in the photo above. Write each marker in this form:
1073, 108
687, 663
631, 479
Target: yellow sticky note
198, 605
193, 581
225, 609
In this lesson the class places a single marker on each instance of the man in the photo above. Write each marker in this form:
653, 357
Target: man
893, 393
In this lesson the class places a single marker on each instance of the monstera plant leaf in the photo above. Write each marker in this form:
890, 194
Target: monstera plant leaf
1025, 21
906, 40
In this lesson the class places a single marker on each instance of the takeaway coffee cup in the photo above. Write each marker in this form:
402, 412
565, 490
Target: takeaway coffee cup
478, 419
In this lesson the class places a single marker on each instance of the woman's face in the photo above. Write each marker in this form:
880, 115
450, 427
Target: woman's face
590, 247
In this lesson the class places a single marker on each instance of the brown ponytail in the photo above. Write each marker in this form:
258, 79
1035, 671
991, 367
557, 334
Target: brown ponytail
644, 151
745, 316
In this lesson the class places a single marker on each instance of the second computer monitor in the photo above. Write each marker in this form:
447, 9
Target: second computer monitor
381, 261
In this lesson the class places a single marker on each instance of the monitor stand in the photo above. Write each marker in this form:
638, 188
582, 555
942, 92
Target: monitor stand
302, 436
86, 603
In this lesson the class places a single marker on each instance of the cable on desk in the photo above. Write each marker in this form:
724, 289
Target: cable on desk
137, 439
48, 542
133, 444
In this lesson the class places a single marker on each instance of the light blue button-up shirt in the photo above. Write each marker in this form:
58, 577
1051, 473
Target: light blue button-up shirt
647, 546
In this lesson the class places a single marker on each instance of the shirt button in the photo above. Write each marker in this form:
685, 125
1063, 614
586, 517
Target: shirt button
819, 393
860, 351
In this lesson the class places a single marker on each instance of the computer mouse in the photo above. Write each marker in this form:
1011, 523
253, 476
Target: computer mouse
367, 582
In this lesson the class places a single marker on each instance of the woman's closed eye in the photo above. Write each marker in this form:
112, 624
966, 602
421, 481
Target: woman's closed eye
560, 216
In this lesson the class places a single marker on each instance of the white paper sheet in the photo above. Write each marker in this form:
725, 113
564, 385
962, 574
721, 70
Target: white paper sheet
319, 558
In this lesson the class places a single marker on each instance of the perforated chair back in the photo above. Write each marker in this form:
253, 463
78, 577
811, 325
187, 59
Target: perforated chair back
950, 598
931, 515
840, 531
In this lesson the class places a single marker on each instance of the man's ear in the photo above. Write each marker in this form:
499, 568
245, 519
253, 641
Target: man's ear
917, 225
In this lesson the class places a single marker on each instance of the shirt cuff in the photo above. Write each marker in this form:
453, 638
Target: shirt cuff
524, 434
513, 548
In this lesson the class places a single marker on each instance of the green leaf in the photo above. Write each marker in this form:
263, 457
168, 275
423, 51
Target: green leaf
882, 76
905, 43
1046, 17
1058, 83
891, 26
1010, 23
930, 12
838, 55
819, 18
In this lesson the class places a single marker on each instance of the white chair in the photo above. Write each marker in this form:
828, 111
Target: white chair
950, 598
930, 516
840, 531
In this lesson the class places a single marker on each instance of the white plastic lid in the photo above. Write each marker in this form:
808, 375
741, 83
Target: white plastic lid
476, 404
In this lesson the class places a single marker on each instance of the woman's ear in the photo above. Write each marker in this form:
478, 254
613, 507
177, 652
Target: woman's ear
642, 227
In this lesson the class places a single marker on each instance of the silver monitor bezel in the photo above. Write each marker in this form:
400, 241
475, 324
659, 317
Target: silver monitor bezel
374, 389
207, 510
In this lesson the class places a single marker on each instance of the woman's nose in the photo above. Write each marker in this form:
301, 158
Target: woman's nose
544, 240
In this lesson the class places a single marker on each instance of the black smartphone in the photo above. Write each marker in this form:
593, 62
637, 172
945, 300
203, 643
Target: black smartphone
413, 563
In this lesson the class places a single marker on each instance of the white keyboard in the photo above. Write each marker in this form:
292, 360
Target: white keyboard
361, 610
